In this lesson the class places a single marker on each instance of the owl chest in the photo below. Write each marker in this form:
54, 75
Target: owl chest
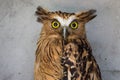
51, 51
48, 59
78, 62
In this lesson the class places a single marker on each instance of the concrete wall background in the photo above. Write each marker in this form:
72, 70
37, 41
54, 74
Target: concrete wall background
19, 32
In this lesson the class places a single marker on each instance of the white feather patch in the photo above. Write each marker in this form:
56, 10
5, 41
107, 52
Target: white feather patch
65, 22
69, 75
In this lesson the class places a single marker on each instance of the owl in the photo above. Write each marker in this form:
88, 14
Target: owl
63, 51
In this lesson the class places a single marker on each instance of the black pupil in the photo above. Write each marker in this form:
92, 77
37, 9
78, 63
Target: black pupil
55, 24
73, 25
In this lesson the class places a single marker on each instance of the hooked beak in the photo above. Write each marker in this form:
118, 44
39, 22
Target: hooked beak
64, 32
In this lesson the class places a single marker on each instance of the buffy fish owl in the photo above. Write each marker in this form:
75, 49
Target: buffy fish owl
63, 51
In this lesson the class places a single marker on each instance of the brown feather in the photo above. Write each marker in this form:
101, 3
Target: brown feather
47, 64
87, 15
80, 61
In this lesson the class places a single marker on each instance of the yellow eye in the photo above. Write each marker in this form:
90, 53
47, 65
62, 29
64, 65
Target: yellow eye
55, 24
74, 25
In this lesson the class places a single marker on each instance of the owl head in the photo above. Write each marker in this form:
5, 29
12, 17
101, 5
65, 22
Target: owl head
63, 24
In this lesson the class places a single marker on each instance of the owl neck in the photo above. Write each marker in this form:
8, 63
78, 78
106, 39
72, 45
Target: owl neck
73, 37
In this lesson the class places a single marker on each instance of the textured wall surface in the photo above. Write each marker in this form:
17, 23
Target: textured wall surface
19, 32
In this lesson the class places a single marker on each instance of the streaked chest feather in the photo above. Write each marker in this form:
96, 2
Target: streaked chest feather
79, 63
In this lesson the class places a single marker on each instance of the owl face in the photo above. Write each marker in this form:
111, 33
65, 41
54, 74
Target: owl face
63, 24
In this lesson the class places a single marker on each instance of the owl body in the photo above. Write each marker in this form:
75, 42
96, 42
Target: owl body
63, 52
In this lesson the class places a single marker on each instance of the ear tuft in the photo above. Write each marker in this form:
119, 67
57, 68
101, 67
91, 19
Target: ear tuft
92, 11
41, 13
87, 15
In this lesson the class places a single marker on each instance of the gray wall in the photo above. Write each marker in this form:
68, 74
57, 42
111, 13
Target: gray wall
19, 32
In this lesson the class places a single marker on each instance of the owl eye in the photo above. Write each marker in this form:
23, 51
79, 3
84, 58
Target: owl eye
74, 25
55, 24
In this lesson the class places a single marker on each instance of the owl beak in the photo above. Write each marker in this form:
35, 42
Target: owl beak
64, 32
